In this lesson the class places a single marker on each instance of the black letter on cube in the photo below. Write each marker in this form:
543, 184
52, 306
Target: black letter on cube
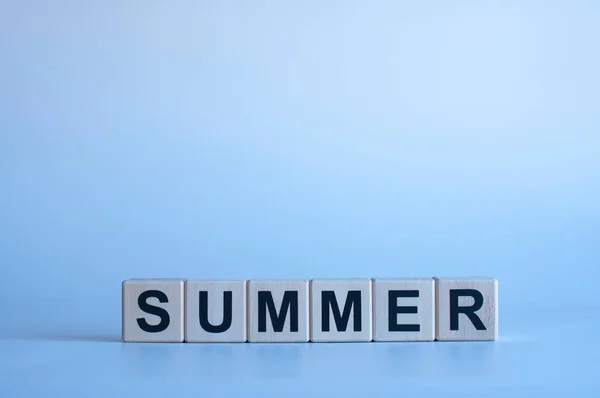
455, 309
165, 319
289, 302
328, 300
395, 309
227, 313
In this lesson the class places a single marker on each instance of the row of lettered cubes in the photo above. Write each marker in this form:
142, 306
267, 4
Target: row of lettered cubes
319, 310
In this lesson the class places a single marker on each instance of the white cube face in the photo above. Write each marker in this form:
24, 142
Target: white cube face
278, 311
341, 310
215, 311
467, 309
153, 310
404, 309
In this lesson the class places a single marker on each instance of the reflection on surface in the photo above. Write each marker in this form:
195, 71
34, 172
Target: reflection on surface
464, 359
278, 360
405, 359
324, 361
300, 369
150, 360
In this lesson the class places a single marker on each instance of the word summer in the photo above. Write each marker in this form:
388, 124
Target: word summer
320, 310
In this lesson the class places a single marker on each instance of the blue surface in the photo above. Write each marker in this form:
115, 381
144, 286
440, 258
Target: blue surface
536, 356
271, 139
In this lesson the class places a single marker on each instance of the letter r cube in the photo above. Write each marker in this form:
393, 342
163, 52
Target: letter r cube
466, 309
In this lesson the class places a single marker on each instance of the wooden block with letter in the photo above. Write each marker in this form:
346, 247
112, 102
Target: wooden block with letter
341, 310
278, 311
153, 310
215, 311
404, 309
466, 309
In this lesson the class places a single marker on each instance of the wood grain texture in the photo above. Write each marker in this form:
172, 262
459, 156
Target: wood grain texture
477, 314
266, 321
348, 310
164, 298
401, 306
208, 318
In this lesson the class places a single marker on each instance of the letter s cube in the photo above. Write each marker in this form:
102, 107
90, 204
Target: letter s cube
153, 310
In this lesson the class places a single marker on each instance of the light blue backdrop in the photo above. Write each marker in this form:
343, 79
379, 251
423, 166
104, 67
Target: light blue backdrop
275, 139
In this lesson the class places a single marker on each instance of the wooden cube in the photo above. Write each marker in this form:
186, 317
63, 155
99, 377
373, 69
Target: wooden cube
153, 310
341, 310
404, 309
278, 311
215, 311
466, 309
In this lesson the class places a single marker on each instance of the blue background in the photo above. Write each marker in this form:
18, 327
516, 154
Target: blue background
276, 139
